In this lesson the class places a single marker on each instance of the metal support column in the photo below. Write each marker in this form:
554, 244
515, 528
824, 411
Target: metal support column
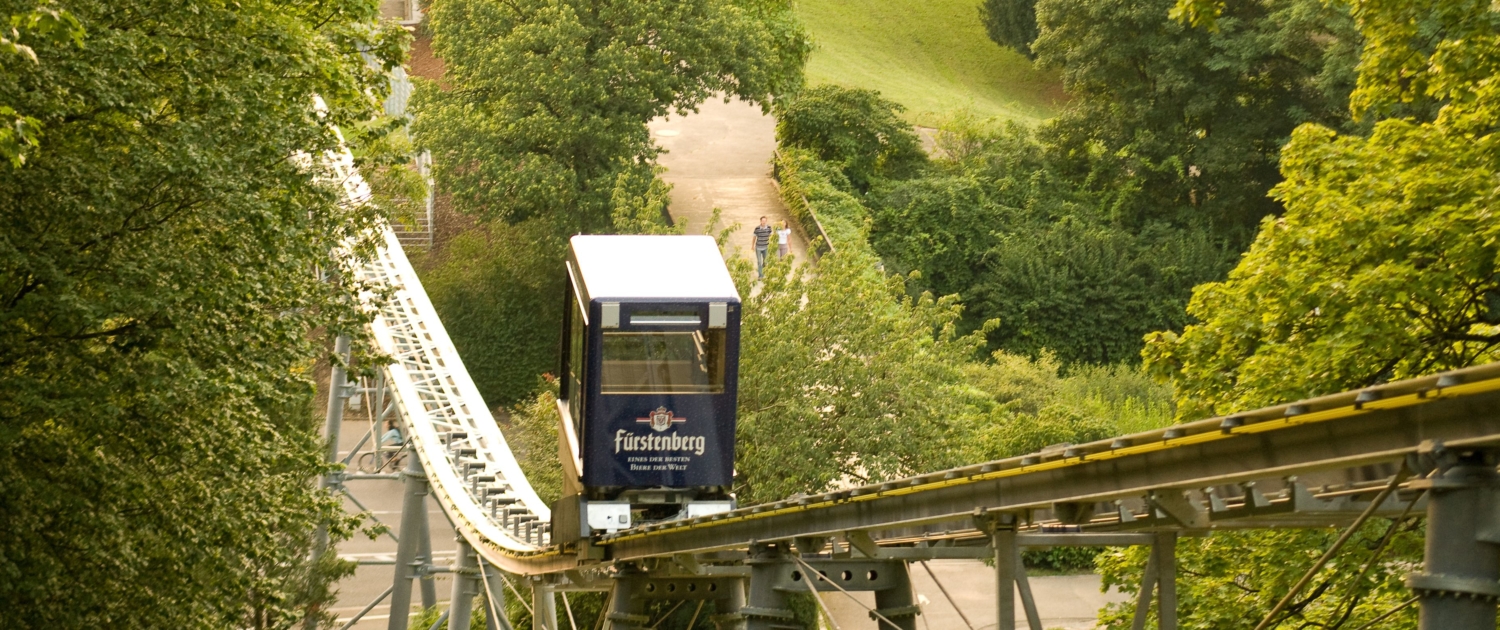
425, 579
1461, 584
897, 604
338, 393
543, 606
1006, 559
461, 603
1144, 596
626, 610
494, 590
1028, 603
408, 565
1165, 552
728, 615
766, 607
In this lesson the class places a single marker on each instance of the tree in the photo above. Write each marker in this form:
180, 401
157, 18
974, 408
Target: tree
539, 130
997, 224
161, 311
846, 379
854, 129
21, 132
1010, 23
545, 102
1383, 267
1181, 125
499, 291
1090, 231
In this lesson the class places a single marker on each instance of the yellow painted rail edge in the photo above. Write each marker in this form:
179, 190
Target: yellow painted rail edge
1395, 402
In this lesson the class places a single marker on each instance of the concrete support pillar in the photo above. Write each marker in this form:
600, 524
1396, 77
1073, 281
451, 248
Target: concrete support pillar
338, 394
461, 604
408, 565
1461, 583
543, 606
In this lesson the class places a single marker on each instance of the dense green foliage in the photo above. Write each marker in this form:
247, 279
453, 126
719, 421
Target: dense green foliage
994, 223
537, 131
19, 132
499, 292
853, 129
545, 102
161, 309
1011, 23
816, 193
1029, 404
1383, 267
1090, 231
845, 379
1183, 125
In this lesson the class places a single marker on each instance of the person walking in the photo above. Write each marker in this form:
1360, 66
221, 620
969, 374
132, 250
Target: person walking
762, 242
784, 239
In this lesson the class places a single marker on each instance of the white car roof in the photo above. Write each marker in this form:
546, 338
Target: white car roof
650, 267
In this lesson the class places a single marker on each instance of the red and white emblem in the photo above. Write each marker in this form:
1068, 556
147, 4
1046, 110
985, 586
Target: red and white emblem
661, 419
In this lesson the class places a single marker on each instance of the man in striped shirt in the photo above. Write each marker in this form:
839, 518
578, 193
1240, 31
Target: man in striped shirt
762, 241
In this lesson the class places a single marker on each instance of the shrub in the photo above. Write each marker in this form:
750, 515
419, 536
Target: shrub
852, 128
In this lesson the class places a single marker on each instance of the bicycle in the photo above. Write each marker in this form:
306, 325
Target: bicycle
382, 459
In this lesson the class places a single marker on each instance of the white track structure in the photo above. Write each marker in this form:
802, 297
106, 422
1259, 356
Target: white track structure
469, 467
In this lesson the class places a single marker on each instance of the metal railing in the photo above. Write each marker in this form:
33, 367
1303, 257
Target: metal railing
807, 207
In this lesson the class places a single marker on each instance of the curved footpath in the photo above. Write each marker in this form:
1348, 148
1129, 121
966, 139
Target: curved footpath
721, 157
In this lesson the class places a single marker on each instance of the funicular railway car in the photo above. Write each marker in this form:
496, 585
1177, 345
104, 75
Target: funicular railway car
650, 359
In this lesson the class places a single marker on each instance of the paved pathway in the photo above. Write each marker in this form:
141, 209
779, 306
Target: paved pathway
1066, 602
721, 157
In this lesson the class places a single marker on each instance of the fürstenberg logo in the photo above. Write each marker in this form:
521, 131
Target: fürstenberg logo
632, 442
660, 420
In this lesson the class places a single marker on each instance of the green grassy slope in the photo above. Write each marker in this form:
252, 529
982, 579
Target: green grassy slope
930, 55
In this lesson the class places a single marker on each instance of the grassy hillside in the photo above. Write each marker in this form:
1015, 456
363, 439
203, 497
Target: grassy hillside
930, 55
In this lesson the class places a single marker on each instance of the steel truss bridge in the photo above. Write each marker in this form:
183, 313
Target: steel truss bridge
1426, 446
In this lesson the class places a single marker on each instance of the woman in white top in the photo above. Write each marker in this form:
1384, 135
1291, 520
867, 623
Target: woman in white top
783, 238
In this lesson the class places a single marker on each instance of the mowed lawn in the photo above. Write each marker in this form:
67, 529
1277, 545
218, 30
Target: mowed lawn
930, 55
